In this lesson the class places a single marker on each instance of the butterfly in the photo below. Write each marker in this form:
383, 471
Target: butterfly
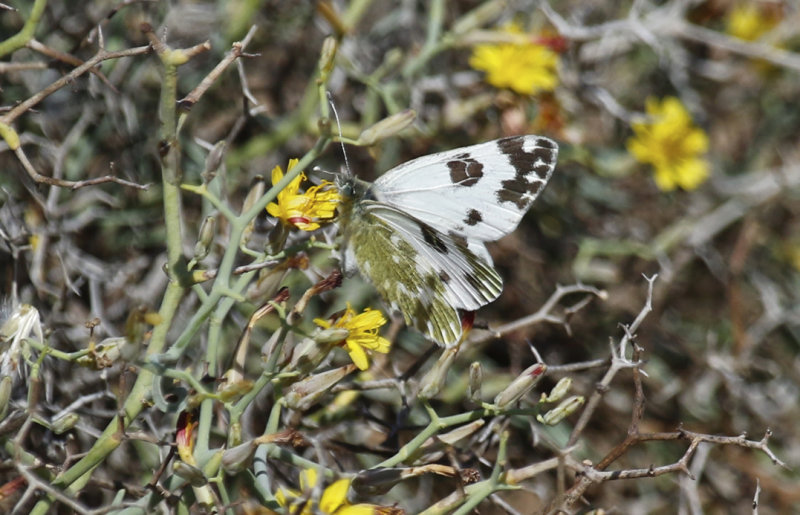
418, 232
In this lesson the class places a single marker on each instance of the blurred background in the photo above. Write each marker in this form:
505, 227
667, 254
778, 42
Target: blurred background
678, 123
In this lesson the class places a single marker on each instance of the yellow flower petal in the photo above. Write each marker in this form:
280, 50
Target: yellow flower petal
334, 496
357, 354
672, 144
527, 68
306, 210
358, 509
749, 22
308, 479
362, 334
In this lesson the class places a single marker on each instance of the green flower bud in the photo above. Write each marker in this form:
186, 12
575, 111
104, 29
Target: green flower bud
387, 127
190, 473
434, 380
521, 385
563, 410
480, 16
559, 390
327, 57
256, 192
214, 160
205, 238
64, 423
458, 433
5, 395
304, 394
475, 381
238, 458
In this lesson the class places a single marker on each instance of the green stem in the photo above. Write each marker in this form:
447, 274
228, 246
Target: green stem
433, 42
21, 38
79, 474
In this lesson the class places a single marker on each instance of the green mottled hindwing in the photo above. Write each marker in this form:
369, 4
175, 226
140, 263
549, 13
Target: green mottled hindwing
426, 275
418, 232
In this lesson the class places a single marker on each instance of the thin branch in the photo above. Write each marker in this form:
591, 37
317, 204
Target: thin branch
237, 51
753, 49
37, 46
101, 56
618, 362
544, 314
36, 176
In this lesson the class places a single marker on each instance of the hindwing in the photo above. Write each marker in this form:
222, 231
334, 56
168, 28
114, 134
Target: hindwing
425, 274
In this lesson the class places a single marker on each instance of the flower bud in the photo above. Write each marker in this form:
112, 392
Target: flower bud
374, 482
378, 481
563, 410
23, 322
276, 238
521, 385
234, 388
475, 381
64, 423
309, 353
238, 458
190, 473
332, 335
434, 380
327, 57
304, 394
214, 161
559, 390
457, 434
5, 395
480, 16
257, 187
387, 127
205, 238
256, 191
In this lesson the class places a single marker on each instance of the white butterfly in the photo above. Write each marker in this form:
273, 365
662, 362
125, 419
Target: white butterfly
418, 232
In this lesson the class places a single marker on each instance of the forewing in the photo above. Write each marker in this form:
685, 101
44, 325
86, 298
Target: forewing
481, 191
424, 274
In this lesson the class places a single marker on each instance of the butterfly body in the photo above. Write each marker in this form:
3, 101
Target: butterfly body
418, 232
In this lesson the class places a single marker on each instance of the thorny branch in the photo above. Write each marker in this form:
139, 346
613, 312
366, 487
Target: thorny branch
588, 474
237, 51
13, 140
618, 362
545, 313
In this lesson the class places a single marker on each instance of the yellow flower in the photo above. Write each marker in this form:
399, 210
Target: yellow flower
333, 500
748, 22
527, 68
362, 334
303, 210
670, 142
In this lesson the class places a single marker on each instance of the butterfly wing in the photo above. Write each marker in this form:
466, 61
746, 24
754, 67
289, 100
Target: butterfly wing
481, 191
423, 273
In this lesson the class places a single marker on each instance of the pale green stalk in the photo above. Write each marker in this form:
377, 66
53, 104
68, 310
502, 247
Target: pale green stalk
21, 38
75, 477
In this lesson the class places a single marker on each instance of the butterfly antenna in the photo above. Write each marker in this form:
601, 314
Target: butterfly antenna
339, 128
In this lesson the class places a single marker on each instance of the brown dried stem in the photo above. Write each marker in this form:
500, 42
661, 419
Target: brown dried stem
194, 96
545, 313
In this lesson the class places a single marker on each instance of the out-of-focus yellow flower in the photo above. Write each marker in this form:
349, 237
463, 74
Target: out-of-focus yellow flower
303, 210
527, 68
749, 22
671, 142
333, 500
362, 334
